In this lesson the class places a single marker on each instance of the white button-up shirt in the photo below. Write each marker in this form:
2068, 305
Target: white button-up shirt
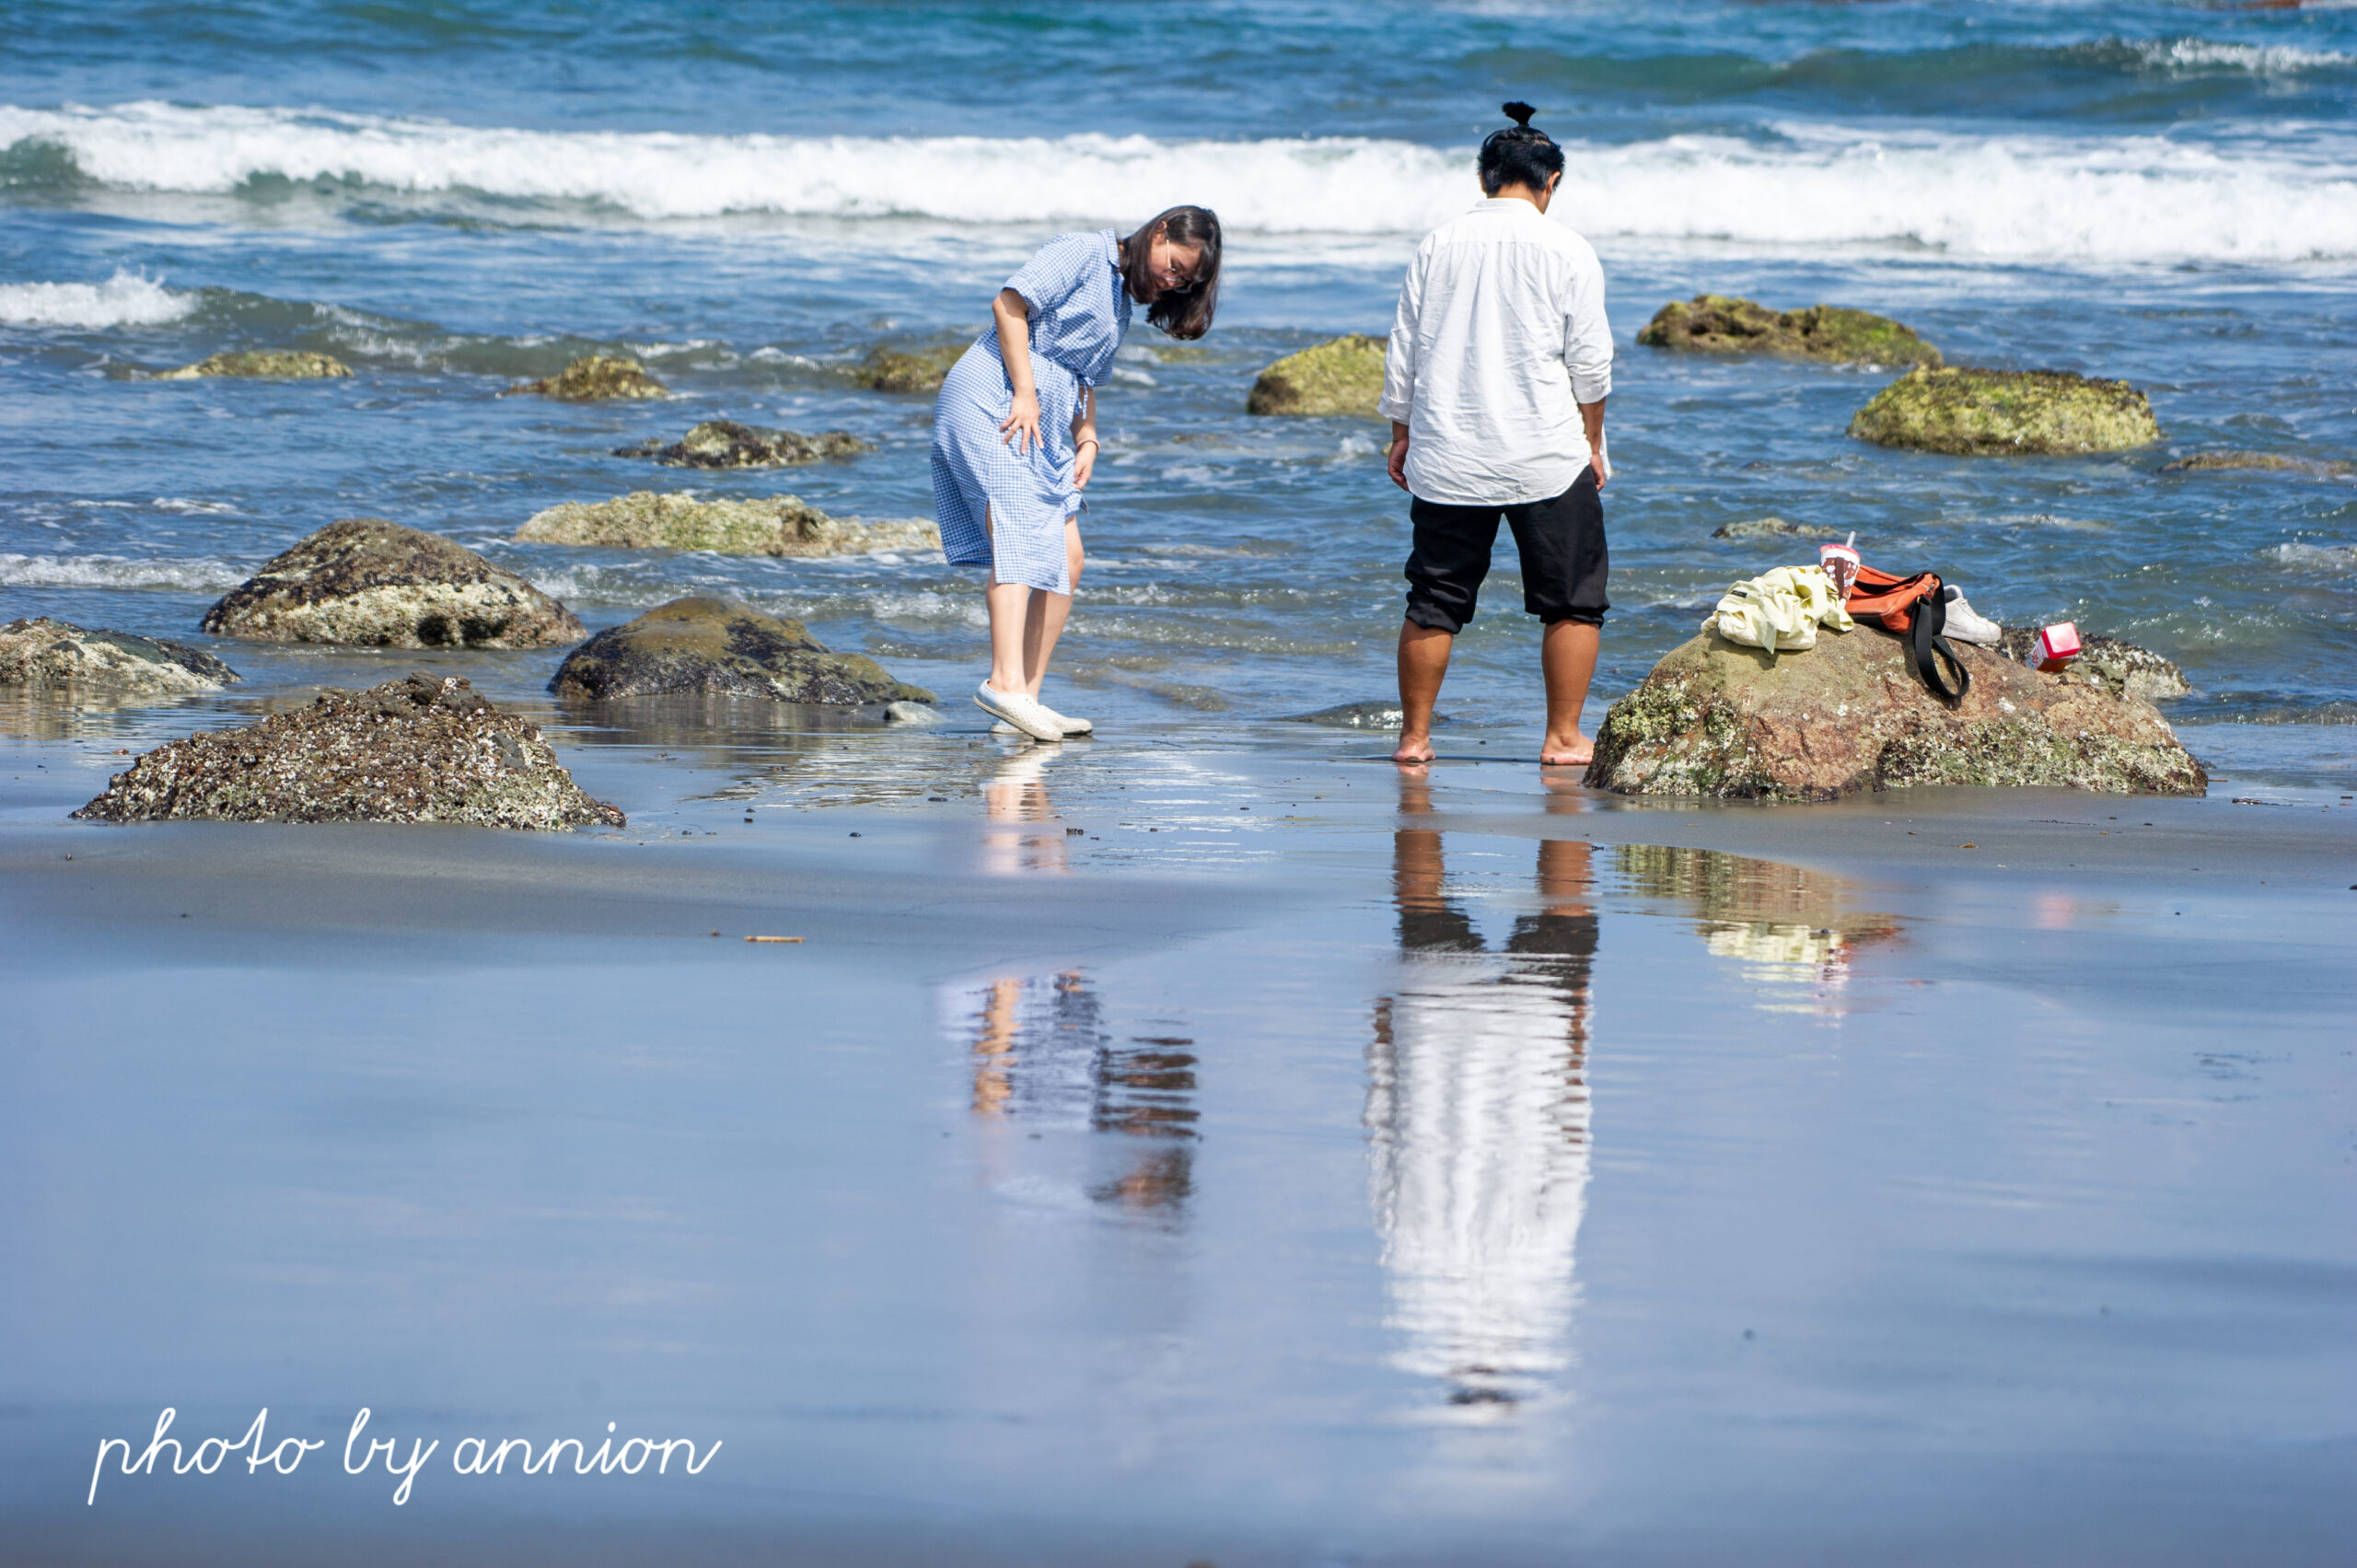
1500, 336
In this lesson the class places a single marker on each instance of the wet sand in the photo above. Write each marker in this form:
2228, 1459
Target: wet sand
1207, 1148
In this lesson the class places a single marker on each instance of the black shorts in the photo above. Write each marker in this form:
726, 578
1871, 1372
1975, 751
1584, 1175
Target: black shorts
1563, 561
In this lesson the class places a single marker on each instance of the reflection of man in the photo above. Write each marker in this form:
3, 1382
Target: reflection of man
1478, 1106
1494, 383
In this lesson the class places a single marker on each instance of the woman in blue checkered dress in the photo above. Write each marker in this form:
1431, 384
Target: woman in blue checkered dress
1015, 433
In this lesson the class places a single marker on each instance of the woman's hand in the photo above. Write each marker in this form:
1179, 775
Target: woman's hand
1084, 463
1021, 425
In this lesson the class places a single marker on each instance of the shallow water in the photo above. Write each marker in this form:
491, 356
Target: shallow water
454, 196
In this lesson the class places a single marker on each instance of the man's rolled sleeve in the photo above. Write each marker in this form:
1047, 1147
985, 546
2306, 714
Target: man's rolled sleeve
1587, 337
1398, 396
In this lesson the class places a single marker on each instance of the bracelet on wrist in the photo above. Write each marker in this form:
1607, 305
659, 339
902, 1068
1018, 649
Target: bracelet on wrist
1088, 441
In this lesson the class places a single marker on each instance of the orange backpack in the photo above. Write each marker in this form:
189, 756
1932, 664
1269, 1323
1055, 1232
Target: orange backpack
1917, 610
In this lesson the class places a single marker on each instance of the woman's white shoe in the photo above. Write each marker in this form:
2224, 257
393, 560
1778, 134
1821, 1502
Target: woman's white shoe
1072, 726
1019, 710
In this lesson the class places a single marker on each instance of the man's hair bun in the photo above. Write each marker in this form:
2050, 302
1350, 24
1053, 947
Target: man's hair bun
1520, 114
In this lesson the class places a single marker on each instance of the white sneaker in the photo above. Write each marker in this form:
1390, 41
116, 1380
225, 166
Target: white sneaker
1072, 726
1966, 624
1020, 711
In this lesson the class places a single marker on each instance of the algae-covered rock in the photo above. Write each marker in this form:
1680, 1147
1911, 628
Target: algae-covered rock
1851, 715
2262, 462
776, 524
726, 647
1342, 377
594, 378
367, 582
724, 443
414, 750
2007, 414
291, 365
2120, 666
1773, 528
1722, 324
890, 369
42, 655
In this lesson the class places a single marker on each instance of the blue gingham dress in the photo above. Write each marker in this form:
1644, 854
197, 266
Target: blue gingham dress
1080, 313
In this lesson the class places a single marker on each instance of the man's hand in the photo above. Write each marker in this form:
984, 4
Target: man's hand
1399, 454
1592, 422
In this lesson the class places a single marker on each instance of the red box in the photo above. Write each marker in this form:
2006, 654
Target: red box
2057, 645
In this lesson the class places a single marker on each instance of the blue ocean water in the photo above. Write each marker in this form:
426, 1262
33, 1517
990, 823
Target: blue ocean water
453, 194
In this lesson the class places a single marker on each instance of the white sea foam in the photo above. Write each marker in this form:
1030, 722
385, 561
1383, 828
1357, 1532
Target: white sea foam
125, 299
2108, 198
118, 572
2329, 557
2263, 60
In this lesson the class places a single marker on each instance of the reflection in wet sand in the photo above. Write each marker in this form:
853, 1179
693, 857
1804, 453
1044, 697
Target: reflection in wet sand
1477, 1107
1044, 1058
1015, 796
1789, 923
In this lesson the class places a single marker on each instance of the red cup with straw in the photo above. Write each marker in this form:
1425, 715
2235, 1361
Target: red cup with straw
1840, 564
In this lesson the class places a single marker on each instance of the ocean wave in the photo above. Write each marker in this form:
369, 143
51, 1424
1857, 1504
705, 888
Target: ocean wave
2316, 557
2190, 54
119, 572
2028, 197
126, 299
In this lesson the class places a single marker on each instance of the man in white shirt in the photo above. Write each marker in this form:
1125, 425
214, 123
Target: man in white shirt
1494, 383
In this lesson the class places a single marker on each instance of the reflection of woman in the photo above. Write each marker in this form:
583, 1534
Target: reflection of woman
1015, 433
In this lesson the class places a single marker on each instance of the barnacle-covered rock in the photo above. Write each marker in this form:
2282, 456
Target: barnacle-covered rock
724, 647
596, 378
774, 525
724, 443
286, 365
414, 750
373, 584
42, 655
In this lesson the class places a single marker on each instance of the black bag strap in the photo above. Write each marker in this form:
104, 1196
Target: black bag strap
1931, 647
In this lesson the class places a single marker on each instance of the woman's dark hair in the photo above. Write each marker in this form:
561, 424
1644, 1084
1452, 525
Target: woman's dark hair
1519, 155
1184, 313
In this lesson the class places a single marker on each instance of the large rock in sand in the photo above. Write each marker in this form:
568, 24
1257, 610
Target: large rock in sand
724, 443
1724, 324
1851, 715
725, 647
414, 750
2007, 414
1341, 376
368, 583
42, 655
776, 525
285, 364
596, 378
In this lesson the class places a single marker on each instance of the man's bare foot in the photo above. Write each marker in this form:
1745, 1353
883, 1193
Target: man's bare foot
1413, 752
1577, 752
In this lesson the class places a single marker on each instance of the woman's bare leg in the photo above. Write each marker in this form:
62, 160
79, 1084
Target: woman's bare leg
1009, 605
1044, 620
